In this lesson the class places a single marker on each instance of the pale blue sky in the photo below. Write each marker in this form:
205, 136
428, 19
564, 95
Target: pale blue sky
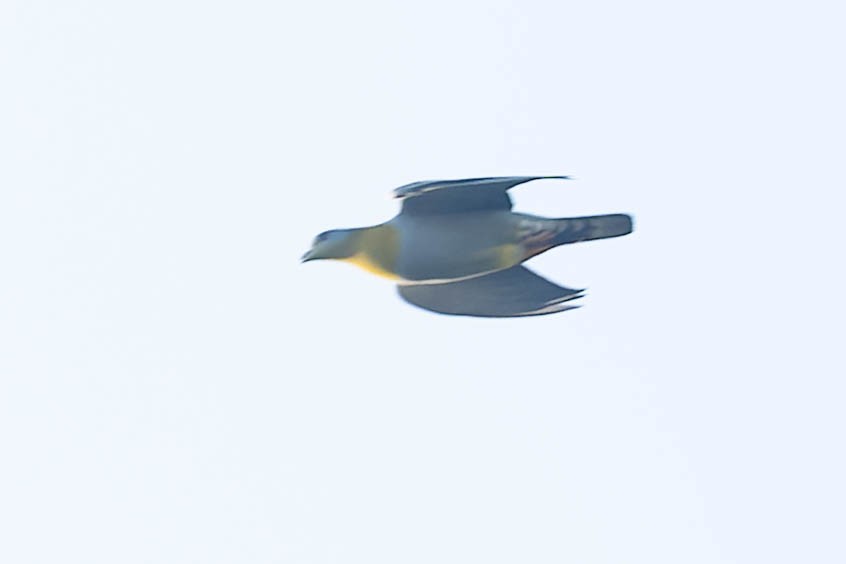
175, 387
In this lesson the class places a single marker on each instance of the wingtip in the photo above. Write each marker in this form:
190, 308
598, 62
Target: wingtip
554, 308
551, 177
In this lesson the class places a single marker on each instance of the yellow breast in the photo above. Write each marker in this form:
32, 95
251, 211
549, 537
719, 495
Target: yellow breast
378, 251
369, 264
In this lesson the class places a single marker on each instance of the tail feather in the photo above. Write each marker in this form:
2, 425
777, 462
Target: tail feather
575, 229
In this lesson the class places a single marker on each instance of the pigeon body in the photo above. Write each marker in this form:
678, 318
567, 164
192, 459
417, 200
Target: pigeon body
457, 248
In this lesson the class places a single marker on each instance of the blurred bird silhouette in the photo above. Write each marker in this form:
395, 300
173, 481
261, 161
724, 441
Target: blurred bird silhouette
457, 248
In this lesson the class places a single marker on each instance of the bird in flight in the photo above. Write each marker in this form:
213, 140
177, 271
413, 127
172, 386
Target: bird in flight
457, 248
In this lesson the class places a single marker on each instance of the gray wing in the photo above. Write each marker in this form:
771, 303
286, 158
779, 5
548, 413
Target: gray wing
514, 292
468, 194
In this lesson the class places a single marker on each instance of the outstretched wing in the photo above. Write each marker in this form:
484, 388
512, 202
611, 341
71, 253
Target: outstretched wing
514, 292
469, 194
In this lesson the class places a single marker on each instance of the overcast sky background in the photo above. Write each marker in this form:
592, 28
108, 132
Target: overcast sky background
175, 387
